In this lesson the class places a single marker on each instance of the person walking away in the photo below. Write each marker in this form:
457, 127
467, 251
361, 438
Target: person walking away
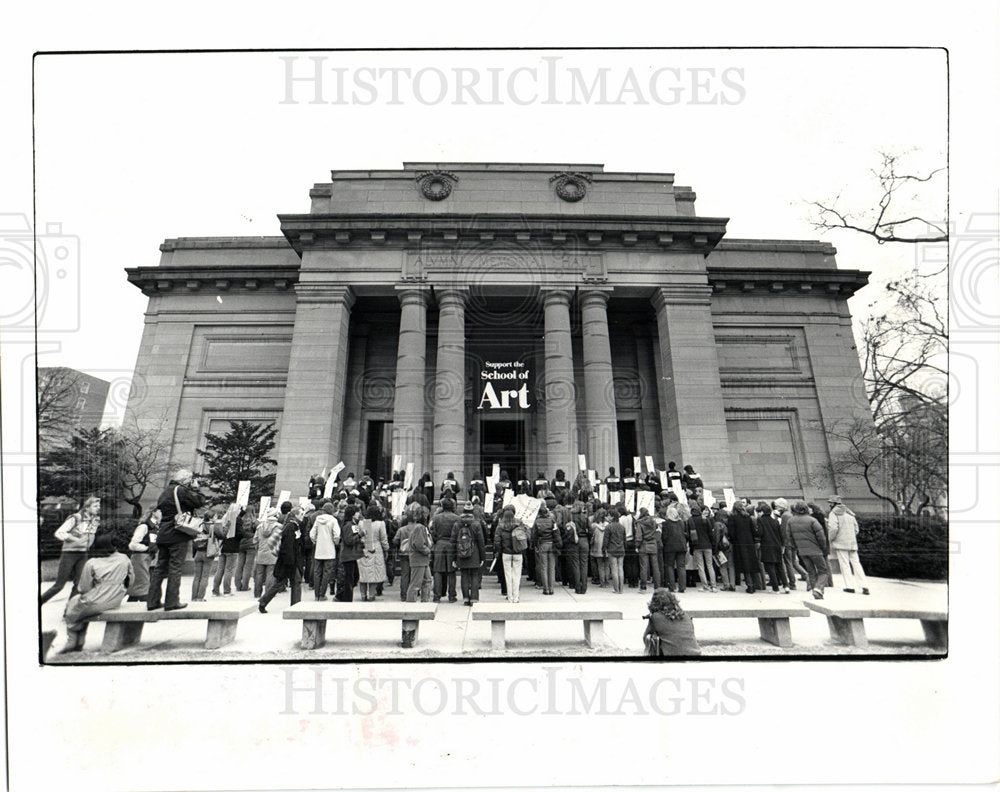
402, 542
510, 547
441, 528
579, 519
780, 512
844, 541
724, 550
180, 496
103, 584
675, 547
265, 559
545, 538
230, 549
670, 632
420, 563
375, 544
205, 550
772, 548
741, 536
645, 542
142, 548
77, 535
598, 553
614, 546
289, 564
469, 550
702, 546
325, 535
809, 541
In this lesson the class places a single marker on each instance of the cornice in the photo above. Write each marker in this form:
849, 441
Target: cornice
832, 282
188, 278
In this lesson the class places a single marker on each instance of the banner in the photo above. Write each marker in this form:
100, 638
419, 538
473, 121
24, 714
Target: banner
506, 385
663, 480
243, 494
678, 490
491, 485
283, 496
488, 504
397, 463
398, 503
408, 478
582, 461
336, 469
614, 497
602, 493
265, 504
303, 501
650, 467
496, 471
328, 489
707, 497
526, 509
645, 499
729, 495
636, 465
630, 499
508, 496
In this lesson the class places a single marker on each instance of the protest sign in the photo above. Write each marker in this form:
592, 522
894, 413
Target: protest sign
243, 494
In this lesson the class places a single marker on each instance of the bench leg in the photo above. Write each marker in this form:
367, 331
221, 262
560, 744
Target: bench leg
498, 635
593, 632
411, 628
118, 635
848, 631
936, 633
776, 631
220, 633
313, 633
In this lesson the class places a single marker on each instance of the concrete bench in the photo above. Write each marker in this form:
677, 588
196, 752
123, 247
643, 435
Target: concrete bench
847, 624
123, 626
773, 622
314, 616
499, 614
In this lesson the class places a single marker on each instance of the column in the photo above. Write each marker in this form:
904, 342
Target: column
409, 408
313, 415
559, 387
694, 419
598, 382
449, 387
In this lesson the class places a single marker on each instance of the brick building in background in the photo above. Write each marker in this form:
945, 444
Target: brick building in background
461, 315
75, 401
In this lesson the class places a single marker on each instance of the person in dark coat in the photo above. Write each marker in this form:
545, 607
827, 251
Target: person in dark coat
675, 547
702, 544
171, 543
645, 542
741, 536
441, 558
352, 547
614, 546
289, 565
545, 538
670, 632
771, 547
470, 527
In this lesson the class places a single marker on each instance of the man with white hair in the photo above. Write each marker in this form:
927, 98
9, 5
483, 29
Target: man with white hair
844, 529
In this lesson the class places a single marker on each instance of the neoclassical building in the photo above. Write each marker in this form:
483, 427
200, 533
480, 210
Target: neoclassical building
462, 314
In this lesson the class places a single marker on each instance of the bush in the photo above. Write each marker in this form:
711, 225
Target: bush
903, 546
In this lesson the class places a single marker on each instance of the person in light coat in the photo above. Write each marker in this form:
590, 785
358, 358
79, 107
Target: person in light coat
77, 535
103, 585
264, 561
844, 529
375, 544
325, 535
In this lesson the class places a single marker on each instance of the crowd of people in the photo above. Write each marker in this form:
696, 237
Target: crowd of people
357, 536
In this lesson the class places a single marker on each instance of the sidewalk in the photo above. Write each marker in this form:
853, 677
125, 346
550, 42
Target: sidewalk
453, 634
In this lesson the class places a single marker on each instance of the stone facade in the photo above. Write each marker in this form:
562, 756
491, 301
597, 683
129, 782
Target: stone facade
634, 326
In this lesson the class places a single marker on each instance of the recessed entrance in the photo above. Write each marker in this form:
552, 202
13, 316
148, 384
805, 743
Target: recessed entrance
501, 442
628, 445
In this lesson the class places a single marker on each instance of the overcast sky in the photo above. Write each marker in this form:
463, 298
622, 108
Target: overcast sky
132, 149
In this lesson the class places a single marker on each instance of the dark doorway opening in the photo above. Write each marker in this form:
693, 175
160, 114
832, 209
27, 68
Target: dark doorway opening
628, 445
378, 454
502, 443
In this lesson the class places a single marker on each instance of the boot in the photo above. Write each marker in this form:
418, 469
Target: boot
409, 636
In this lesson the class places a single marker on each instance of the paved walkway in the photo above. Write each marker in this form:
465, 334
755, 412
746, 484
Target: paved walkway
454, 634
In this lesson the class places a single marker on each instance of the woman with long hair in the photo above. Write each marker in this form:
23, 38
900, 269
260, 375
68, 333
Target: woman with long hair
669, 632
375, 544
504, 543
77, 535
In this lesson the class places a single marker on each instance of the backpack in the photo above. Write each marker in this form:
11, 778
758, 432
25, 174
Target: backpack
464, 544
519, 538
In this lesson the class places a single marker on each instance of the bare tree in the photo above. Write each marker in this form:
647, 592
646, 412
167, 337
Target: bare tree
895, 216
58, 390
145, 457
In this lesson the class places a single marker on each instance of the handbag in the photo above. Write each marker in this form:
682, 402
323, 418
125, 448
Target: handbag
652, 644
185, 522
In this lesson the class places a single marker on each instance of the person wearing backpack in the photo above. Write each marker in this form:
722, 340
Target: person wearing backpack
419, 550
510, 540
77, 535
545, 537
468, 550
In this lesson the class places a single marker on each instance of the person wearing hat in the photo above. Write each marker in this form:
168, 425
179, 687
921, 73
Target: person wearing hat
469, 549
103, 585
780, 512
843, 527
441, 559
